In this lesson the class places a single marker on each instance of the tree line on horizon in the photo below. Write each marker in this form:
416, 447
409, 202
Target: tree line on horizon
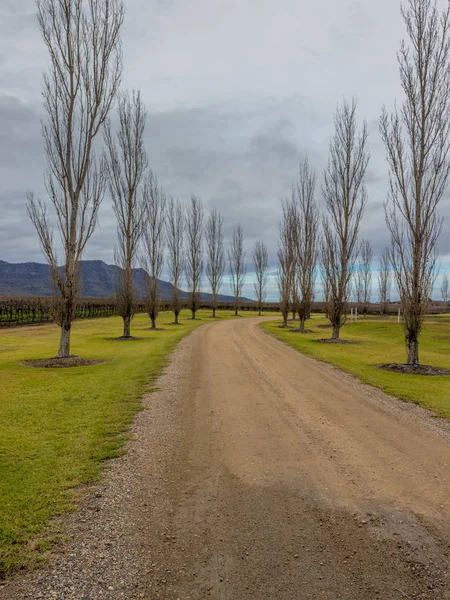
84, 81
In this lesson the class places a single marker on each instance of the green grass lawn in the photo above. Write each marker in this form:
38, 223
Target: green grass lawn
381, 341
57, 426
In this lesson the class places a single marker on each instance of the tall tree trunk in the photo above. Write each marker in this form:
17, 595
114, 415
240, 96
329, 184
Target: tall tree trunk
302, 324
235, 311
214, 312
412, 343
193, 310
336, 331
64, 342
66, 322
153, 319
127, 300
127, 326
176, 317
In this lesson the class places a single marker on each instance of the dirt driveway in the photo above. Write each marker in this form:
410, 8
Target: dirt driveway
259, 474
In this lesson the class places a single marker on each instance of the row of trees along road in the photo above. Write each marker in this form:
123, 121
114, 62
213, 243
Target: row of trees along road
83, 82
416, 138
299, 246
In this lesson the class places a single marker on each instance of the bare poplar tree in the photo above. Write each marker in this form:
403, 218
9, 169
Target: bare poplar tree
83, 41
358, 283
417, 142
365, 269
306, 238
175, 230
126, 161
236, 258
287, 256
294, 294
384, 279
194, 263
261, 262
153, 260
345, 197
444, 288
326, 286
215, 264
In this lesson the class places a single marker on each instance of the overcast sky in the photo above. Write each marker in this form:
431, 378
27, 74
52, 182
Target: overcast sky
237, 93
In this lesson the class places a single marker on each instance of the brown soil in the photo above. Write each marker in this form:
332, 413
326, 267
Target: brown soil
259, 474
62, 363
416, 370
305, 331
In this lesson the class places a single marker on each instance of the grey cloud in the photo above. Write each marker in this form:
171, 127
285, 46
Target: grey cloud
275, 144
228, 121
20, 138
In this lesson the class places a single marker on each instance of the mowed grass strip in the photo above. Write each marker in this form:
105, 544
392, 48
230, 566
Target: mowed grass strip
57, 426
381, 341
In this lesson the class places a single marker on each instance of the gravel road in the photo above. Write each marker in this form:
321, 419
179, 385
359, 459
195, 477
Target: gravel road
256, 473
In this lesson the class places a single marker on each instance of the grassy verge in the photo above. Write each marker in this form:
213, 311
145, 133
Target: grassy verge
58, 426
382, 341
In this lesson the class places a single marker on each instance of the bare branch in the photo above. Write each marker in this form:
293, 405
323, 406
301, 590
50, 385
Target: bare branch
287, 256
194, 263
305, 239
261, 262
126, 161
345, 197
154, 230
444, 288
365, 274
385, 279
215, 264
236, 259
175, 230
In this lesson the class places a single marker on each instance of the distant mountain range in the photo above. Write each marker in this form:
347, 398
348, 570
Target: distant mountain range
98, 281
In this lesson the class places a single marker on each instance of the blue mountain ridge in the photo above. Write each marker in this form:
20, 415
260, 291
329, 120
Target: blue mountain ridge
98, 280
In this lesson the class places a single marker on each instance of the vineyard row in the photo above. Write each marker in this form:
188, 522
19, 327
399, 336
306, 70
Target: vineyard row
28, 311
